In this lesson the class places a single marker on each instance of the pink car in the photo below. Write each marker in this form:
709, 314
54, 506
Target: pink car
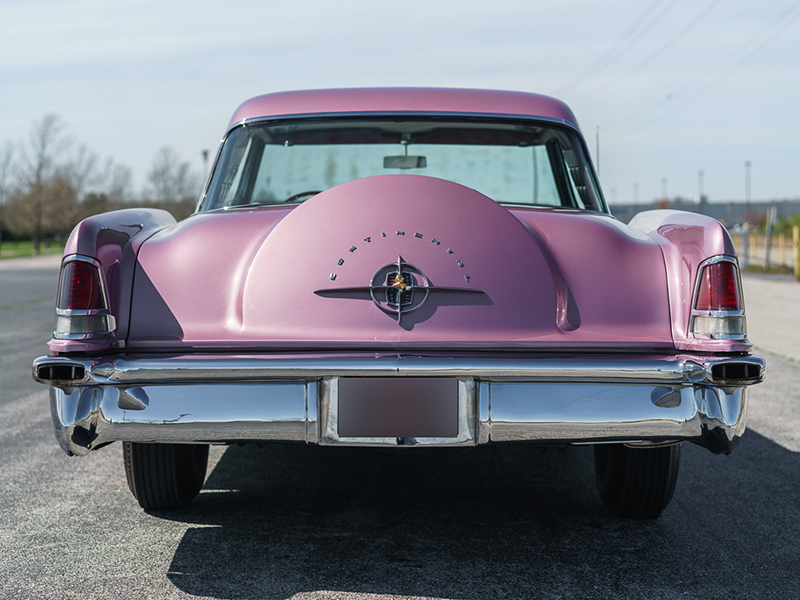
400, 268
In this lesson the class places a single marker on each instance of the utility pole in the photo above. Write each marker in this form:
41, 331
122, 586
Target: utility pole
772, 218
5, 171
747, 183
700, 184
597, 151
664, 188
636, 193
796, 251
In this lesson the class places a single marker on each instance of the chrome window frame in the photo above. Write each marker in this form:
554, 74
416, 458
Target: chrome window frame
503, 117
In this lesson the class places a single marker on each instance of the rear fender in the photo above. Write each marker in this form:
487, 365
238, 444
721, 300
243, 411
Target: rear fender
686, 240
113, 239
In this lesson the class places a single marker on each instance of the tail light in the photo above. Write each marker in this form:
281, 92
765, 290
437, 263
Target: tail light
718, 309
719, 288
82, 304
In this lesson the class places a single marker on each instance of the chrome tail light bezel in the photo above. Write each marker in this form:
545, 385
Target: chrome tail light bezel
83, 324
718, 324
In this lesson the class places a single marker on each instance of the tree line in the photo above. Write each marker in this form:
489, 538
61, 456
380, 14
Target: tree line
49, 183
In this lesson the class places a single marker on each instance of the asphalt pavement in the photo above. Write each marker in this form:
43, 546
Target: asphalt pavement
490, 523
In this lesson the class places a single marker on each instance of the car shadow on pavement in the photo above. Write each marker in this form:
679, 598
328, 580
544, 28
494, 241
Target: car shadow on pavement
490, 522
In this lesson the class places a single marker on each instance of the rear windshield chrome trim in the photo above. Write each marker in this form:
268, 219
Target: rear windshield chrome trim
571, 127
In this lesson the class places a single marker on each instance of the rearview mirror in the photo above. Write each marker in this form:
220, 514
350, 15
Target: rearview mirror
404, 162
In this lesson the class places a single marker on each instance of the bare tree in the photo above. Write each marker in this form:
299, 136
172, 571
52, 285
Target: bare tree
94, 204
172, 180
117, 182
62, 211
6, 164
46, 141
82, 171
54, 190
54, 203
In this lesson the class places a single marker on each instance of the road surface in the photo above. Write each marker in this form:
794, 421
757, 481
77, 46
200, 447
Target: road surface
308, 522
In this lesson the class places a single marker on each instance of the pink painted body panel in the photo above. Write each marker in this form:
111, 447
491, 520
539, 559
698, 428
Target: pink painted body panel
425, 100
265, 278
113, 239
687, 239
552, 278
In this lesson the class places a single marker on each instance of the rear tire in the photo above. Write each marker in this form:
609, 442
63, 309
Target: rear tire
165, 476
636, 483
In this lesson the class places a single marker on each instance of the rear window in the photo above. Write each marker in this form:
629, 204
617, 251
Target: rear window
510, 162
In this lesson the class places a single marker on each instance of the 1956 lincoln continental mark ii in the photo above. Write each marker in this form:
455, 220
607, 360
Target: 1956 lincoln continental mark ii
400, 268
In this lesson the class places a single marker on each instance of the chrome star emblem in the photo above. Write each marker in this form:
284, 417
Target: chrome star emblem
398, 288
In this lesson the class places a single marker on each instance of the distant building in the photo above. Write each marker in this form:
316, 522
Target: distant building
729, 214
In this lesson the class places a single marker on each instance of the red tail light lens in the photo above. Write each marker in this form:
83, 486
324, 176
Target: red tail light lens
80, 287
82, 306
719, 287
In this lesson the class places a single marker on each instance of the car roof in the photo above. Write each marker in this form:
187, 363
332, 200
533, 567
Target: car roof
401, 100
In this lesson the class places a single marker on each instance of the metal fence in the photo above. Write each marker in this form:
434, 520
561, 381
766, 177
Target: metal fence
769, 249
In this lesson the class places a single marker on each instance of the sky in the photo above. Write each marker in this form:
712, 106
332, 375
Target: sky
670, 87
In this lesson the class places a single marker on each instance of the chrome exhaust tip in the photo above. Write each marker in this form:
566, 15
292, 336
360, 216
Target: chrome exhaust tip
738, 371
59, 373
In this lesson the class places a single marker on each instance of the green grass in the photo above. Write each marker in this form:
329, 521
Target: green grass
11, 249
772, 269
26, 304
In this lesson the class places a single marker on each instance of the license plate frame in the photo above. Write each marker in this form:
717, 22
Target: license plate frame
397, 411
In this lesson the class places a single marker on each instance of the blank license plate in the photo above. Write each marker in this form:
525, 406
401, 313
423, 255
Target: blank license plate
392, 407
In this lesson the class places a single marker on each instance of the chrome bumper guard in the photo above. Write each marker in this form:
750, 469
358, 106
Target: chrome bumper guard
632, 399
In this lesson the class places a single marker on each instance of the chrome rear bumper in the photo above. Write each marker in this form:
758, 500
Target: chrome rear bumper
571, 400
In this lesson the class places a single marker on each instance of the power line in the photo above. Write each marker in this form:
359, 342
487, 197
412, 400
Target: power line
712, 77
600, 62
678, 36
769, 33
658, 52
656, 19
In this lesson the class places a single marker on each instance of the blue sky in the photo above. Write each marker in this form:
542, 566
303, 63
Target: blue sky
675, 86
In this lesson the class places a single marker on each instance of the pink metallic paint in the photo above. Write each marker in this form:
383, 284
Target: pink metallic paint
247, 278
113, 239
687, 239
553, 278
196, 270
426, 100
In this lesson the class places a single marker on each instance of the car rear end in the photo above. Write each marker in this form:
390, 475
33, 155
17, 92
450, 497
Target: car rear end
329, 303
